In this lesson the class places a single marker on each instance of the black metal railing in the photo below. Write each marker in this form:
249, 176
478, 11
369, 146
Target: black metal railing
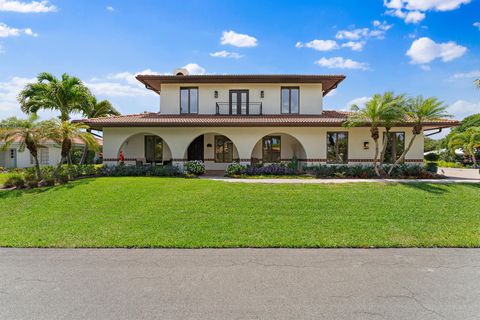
250, 108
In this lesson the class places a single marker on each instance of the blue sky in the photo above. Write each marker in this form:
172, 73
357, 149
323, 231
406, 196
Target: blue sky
428, 47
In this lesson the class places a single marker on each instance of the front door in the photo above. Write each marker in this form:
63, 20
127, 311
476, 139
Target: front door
195, 149
238, 101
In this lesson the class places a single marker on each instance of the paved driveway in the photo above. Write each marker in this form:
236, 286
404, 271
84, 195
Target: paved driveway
240, 284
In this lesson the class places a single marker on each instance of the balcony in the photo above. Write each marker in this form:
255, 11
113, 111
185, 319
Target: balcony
244, 109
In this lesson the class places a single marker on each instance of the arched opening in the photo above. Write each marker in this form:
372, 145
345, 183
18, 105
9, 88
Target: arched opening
278, 148
216, 150
145, 149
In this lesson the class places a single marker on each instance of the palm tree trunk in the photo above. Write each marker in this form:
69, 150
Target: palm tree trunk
474, 159
402, 157
384, 148
85, 151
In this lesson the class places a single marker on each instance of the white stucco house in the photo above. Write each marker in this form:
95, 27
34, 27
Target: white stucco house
48, 154
220, 119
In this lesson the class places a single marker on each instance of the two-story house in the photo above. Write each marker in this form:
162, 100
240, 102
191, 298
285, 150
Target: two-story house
220, 119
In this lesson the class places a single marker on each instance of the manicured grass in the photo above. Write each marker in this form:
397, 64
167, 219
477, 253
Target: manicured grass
191, 213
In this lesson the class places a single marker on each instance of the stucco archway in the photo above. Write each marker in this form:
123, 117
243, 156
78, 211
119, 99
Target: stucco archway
145, 148
278, 147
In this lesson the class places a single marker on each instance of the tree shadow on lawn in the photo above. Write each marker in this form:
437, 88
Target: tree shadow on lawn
438, 188
16, 193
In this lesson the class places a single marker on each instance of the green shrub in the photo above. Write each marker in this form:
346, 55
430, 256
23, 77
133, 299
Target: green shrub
235, 169
431, 167
432, 156
138, 171
195, 167
448, 164
16, 180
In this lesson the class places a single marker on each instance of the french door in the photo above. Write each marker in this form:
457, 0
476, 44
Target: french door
239, 102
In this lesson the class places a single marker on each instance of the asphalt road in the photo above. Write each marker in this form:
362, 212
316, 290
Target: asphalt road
240, 284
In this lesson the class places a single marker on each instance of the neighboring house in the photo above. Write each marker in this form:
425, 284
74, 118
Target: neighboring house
220, 119
48, 154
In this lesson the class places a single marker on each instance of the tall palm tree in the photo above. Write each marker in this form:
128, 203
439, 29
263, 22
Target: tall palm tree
419, 110
66, 95
65, 132
29, 133
477, 83
379, 111
468, 141
95, 109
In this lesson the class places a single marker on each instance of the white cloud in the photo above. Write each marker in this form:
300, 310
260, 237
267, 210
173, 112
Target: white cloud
471, 74
115, 89
360, 102
382, 25
352, 34
424, 50
319, 45
477, 24
194, 68
341, 63
9, 91
110, 8
6, 31
238, 39
378, 32
461, 108
226, 54
129, 77
26, 7
412, 11
354, 45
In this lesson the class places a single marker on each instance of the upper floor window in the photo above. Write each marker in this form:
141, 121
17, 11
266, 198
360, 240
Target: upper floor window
271, 148
189, 100
337, 147
290, 99
395, 146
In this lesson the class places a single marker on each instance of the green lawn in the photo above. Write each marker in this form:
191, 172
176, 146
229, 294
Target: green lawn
191, 213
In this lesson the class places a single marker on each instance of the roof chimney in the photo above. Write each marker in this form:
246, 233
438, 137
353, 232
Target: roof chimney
180, 72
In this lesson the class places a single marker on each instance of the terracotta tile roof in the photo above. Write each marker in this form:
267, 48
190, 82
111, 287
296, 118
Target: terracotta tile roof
154, 82
329, 118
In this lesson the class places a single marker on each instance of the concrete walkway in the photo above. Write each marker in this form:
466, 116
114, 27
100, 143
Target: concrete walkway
329, 284
337, 181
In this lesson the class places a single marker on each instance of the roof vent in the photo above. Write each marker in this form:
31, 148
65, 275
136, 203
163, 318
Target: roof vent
180, 72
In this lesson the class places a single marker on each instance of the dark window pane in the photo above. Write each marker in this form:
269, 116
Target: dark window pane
153, 149
285, 100
223, 149
193, 100
294, 100
337, 147
184, 100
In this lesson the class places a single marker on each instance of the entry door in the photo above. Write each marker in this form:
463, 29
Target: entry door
195, 149
238, 101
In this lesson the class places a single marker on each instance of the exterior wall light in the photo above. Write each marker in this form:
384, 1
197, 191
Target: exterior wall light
366, 145
215, 94
262, 94
209, 145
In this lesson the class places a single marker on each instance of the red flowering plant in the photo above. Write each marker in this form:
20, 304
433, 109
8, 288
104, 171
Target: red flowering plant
121, 158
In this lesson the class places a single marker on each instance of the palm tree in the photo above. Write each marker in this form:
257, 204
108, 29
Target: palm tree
96, 109
419, 110
65, 95
65, 132
468, 141
477, 83
29, 133
379, 111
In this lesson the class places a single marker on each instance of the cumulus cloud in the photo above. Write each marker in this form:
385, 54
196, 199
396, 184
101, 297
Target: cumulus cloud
412, 11
110, 8
461, 108
472, 74
424, 50
341, 63
319, 45
354, 45
26, 7
9, 91
226, 54
360, 102
477, 24
6, 31
194, 68
238, 39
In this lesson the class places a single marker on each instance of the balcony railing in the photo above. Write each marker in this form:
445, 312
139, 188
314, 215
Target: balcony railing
250, 108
